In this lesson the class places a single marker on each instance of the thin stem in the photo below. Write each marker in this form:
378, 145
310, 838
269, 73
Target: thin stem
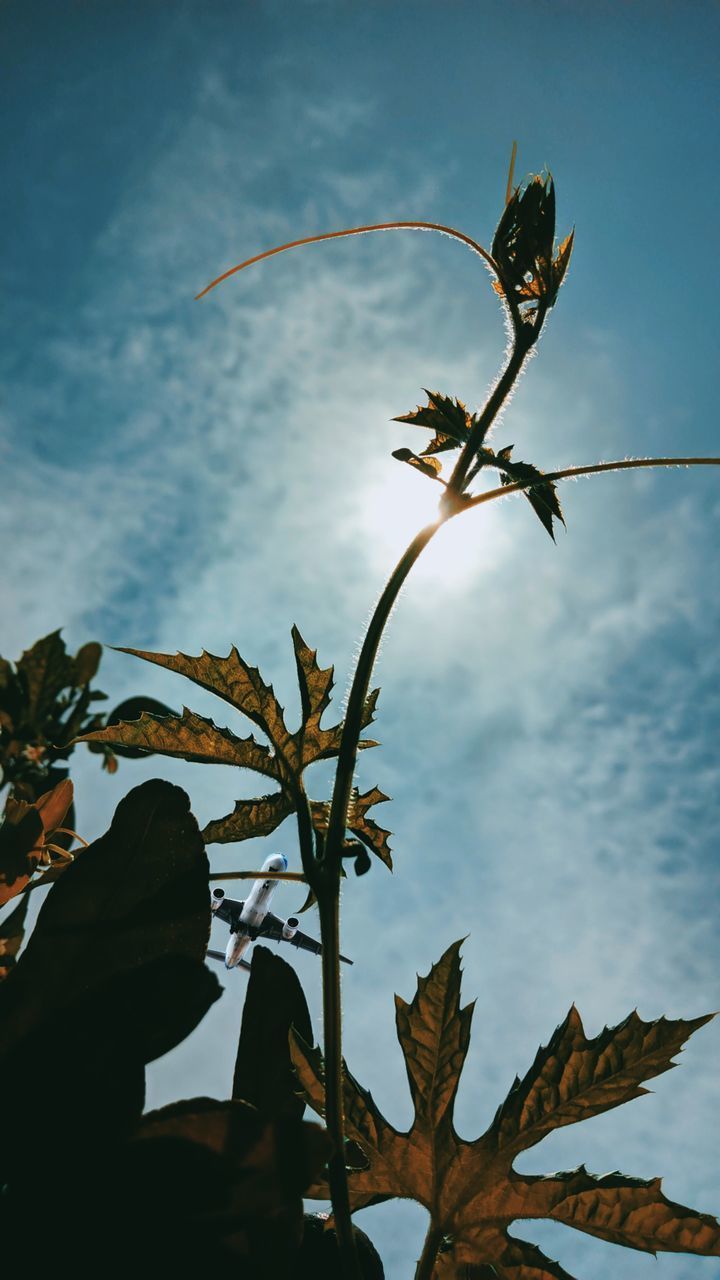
329, 904
487, 417
352, 725
259, 875
626, 464
428, 1257
355, 231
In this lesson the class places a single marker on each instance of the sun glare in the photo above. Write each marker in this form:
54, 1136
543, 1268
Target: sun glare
397, 506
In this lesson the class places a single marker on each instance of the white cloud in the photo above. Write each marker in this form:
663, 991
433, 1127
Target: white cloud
540, 703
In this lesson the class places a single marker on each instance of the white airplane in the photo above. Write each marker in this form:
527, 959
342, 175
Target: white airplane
251, 919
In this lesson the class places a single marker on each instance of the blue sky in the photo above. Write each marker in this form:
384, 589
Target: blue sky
182, 475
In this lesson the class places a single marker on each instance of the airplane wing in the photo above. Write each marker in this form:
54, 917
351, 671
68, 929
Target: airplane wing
227, 908
272, 927
220, 955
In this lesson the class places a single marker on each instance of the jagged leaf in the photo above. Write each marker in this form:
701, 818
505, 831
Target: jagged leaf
274, 1003
189, 737
193, 737
447, 418
543, 497
249, 818
470, 1188
523, 247
362, 827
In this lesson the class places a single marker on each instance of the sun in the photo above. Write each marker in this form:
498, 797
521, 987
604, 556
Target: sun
395, 506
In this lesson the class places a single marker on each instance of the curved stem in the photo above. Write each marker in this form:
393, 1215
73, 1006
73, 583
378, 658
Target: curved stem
356, 231
626, 464
487, 417
329, 904
426, 1264
352, 724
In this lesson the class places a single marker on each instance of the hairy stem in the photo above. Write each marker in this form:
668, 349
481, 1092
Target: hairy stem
426, 1264
626, 464
329, 904
347, 754
488, 415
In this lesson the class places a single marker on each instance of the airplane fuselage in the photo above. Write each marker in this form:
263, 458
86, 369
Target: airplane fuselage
255, 908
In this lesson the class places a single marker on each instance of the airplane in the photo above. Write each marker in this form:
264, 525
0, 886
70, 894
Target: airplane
251, 919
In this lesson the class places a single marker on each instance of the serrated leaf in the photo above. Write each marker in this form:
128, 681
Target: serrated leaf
364, 828
543, 497
523, 247
189, 737
470, 1188
195, 738
24, 832
249, 818
448, 418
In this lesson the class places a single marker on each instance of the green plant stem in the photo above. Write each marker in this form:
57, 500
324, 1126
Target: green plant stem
329, 904
352, 724
426, 1264
485, 420
626, 464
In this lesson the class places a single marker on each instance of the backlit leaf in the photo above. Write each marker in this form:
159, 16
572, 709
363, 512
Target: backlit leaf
193, 737
190, 737
470, 1188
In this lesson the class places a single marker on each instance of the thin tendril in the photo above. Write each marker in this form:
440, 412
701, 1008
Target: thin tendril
356, 231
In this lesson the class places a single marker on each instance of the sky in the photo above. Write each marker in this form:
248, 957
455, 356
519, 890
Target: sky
184, 475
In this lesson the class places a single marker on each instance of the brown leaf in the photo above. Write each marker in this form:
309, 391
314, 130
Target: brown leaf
364, 828
24, 832
470, 1188
249, 818
192, 737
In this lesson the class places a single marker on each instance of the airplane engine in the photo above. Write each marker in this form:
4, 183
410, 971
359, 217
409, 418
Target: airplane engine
217, 897
290, 928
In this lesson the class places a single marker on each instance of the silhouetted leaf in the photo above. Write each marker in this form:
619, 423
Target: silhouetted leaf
319, 1256
447, 418
12, 931
267, 1166
543, 497
138, 893
274, 1003
523, 248
428, 466
470, 1188
94, 1049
